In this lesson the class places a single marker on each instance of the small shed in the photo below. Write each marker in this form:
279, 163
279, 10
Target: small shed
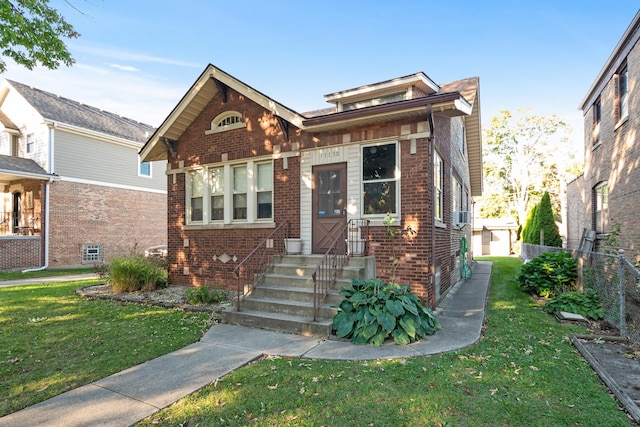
494, 236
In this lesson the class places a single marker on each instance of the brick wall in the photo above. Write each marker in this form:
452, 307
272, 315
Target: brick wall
617, 158
20, 252
122, 221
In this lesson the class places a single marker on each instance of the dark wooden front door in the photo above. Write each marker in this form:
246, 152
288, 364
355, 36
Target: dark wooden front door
328, 205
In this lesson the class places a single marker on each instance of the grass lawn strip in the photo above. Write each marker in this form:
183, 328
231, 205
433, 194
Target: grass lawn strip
523, 372
52, 341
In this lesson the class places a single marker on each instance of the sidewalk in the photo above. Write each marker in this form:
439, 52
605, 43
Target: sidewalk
124, 398
65, 278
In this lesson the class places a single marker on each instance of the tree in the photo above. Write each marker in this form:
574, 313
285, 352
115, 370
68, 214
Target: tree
541, 218
32, 33
525, 155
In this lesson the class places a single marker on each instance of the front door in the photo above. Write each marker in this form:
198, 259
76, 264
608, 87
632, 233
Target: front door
328, 205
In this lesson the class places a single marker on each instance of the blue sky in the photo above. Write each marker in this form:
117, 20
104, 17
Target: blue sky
138, 58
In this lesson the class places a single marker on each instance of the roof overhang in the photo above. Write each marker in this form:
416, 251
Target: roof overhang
7, 176
450, 104
418, 80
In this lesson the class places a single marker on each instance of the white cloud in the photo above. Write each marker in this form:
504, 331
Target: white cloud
126, 68
125, 55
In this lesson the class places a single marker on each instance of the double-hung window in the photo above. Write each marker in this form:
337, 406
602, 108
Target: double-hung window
601, 207
623, 92
380, 179
216, 180
438, 187
224, 194
240, 192
195, 196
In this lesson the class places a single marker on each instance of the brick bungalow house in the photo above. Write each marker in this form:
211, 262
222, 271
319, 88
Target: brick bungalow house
240, 165
73, 191
608, 192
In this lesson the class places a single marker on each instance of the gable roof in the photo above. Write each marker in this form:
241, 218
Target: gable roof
63, 110
458, 98
12, 168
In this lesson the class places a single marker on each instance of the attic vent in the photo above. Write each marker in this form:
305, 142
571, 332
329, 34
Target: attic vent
228, 120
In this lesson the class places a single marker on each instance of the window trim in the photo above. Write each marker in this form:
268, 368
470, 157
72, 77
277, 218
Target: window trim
597, 194
597, 119
29, 143
216, 127
438, 191
622, 98
396, 179
228, 193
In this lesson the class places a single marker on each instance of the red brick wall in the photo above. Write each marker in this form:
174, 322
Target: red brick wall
123, 221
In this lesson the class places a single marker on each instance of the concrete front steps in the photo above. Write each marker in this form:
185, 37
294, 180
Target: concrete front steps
283, 300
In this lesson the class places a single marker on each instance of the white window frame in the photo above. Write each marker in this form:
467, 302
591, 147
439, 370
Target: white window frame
252, 190
30, 143
438, 187
623, 93
396, 179
601, 207
218, 124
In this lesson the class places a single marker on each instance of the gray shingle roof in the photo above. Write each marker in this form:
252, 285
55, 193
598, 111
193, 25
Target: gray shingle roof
63, 110
20, 165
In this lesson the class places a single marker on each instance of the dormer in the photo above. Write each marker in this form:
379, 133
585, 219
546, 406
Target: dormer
401, 89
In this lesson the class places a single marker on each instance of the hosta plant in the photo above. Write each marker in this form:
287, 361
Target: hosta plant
550, 274
373, 312
586, 304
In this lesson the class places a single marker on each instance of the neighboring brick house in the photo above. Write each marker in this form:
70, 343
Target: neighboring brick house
240, 164
608, 192
73, 190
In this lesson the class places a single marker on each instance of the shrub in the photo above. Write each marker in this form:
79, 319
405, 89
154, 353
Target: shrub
202, 295
549, 275
586, 304
373, 311
135, 273
541, 218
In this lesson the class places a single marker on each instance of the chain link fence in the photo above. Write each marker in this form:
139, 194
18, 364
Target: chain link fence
613, 277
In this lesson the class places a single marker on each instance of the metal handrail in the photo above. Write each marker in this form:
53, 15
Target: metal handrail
272, 245
335, 258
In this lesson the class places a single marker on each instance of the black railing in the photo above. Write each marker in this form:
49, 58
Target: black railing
352, 240
251, 269
21, 223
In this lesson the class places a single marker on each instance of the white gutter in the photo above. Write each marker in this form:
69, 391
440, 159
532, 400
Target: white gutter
46, 207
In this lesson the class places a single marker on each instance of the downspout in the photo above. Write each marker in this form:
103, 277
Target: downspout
432, 148
46, 207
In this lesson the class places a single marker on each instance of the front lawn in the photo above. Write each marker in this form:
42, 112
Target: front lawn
52, 341
523, 372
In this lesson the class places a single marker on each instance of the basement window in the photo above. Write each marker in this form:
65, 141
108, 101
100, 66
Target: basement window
92, 254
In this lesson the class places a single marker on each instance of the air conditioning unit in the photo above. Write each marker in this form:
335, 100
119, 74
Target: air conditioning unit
462, 217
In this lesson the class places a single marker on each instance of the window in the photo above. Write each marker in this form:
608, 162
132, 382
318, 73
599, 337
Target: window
395, 97
438, 187
224, 194
195, 206
144, 169
217, 194
265, 190
457, 132
458, 195
600, 207
380, 179
91, 254
30, 143
228, 120
623, 93
597, 116
240, 192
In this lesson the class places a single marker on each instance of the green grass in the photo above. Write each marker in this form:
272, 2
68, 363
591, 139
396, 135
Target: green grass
18, 275
52, 341
523, 372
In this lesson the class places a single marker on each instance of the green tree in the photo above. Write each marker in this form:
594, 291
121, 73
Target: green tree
546, 222
32, 33
525, 155
530, 229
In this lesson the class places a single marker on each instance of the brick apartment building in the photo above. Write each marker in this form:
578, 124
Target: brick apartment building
240, 164
73, 191
608, 192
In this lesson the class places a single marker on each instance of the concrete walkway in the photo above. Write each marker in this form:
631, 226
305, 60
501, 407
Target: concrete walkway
124, 398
